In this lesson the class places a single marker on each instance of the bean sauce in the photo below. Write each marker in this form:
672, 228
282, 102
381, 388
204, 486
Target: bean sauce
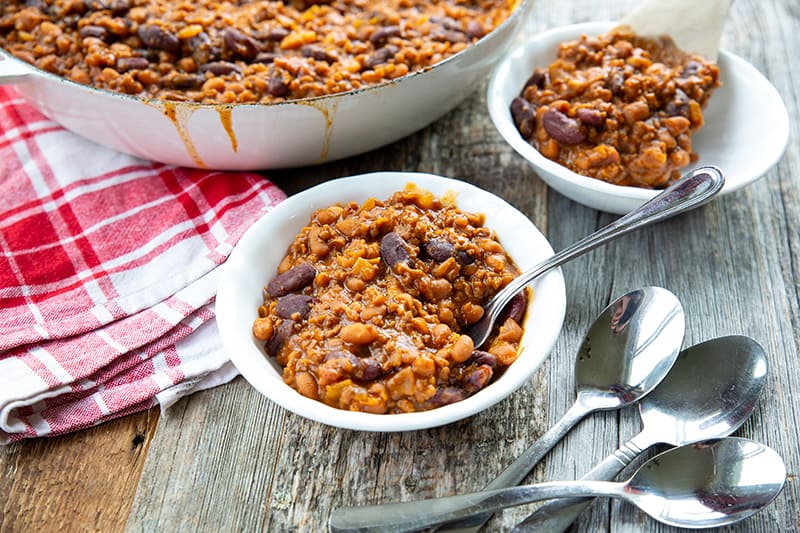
379, 328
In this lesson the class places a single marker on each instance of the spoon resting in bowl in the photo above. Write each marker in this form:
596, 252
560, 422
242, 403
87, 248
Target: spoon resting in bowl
709, 484
692, 190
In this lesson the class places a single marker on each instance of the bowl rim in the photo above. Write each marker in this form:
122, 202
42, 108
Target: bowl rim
500, 116
39, 73
252, 363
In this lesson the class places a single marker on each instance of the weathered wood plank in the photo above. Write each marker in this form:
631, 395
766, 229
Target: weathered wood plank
84, 481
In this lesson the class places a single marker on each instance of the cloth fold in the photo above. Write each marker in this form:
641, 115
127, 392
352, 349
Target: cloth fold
108, 271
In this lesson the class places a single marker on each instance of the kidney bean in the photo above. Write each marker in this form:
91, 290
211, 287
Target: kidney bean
562, 128
238, 44
158, 38
124, 64
484, 358
524, 116
691, 68
119, 7
464, 258
317, 52
592, 117
97, 32
41, 5
95, 5
292, 280
381, 55
368, 369
448, 395
515, 308
475, 30
452, 36
290, 304
380, 36
221, 68
477, 379
265, 57
274, 34
277, 87
616, 81
438, 249
539, 78
279, 337
203, 49
181, 81
393, 249
446, 22
679, 105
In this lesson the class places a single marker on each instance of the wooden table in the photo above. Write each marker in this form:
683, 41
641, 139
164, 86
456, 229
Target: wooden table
230, 460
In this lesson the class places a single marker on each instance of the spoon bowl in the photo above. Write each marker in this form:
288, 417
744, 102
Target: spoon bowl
691, 405
709, 393
629, 349
709, 484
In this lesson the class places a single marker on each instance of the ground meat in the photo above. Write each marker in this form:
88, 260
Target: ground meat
618, 107
380, 326
232, 51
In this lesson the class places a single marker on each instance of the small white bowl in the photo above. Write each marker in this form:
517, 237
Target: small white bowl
745, 133
255, 259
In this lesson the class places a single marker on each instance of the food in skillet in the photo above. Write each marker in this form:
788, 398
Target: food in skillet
241, 51
618, 107
369, 306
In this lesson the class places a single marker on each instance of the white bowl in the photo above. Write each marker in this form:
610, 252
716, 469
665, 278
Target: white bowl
255, 259
745, 133
264, 136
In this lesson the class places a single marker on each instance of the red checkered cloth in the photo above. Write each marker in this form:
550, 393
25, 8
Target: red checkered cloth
108, 271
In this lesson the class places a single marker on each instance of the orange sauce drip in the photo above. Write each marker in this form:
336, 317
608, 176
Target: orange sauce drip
227, 123
329, 113
179, 119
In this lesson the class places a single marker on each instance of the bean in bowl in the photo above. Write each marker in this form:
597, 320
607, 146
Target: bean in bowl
236, 51
617, 107
368, 308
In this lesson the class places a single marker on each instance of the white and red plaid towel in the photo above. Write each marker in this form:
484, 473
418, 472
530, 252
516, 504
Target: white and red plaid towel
108, 271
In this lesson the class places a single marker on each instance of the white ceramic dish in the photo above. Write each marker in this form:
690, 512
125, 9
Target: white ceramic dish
261, 136
255, 259
745, 133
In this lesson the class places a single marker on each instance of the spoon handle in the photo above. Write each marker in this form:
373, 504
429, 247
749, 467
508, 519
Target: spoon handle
556, 516
415, 515
693, 190
522, 466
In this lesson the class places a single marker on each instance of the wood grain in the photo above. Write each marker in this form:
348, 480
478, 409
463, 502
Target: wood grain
84, 481
230, 460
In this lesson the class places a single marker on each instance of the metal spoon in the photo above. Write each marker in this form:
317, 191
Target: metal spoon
710, 391
691, 191
711, 484
627, 351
